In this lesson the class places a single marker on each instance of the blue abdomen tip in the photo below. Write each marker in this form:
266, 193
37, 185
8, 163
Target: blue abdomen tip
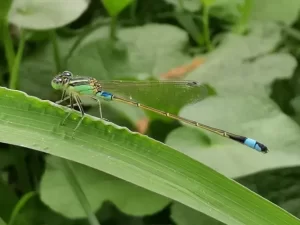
255, 145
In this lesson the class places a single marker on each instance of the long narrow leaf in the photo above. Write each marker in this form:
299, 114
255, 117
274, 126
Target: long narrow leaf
30, 122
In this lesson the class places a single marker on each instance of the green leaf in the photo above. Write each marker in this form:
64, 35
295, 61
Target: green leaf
114, 7
104, 60
98, 187
4, 8
208, 3
190, 5
242, 81
276, 10
2, 222
284, 193
295, 102
6, 158
187, 21
135, 59
226, 10
108, 60
20, 206
183, 215
5, 36
116, 62
41, 15
8, 201
132, 157
38, 69
35, 212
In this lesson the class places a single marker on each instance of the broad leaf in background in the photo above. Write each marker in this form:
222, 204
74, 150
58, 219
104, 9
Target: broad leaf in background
102, 60
38, 69
114, 7
2, 222
98, 187
46, 14
145, 53
186, 20
132, 157
105, 60
183, 215
242, 81
188, 23
275, 10
190, 5
226, 10
295, 102
284, 193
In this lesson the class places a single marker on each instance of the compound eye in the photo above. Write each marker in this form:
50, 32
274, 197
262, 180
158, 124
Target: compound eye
57, 80
67, 74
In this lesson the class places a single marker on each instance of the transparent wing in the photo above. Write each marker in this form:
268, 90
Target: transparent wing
165, 95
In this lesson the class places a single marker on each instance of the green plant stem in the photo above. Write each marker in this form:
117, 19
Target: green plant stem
188, 23
291, 32
181, 7
14, 76
20, 205
56, 52
74, 184
113, 28
133, 8
8, 45
206, 32
242, 24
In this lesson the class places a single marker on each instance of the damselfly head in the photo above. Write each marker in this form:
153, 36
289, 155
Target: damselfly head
61, 79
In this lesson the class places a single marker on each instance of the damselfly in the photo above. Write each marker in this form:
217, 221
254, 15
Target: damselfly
75, 87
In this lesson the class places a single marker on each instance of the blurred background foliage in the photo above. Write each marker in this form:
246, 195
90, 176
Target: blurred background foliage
247, 50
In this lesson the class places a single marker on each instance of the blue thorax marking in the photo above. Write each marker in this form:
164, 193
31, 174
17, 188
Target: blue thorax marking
105, 95
252, 144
